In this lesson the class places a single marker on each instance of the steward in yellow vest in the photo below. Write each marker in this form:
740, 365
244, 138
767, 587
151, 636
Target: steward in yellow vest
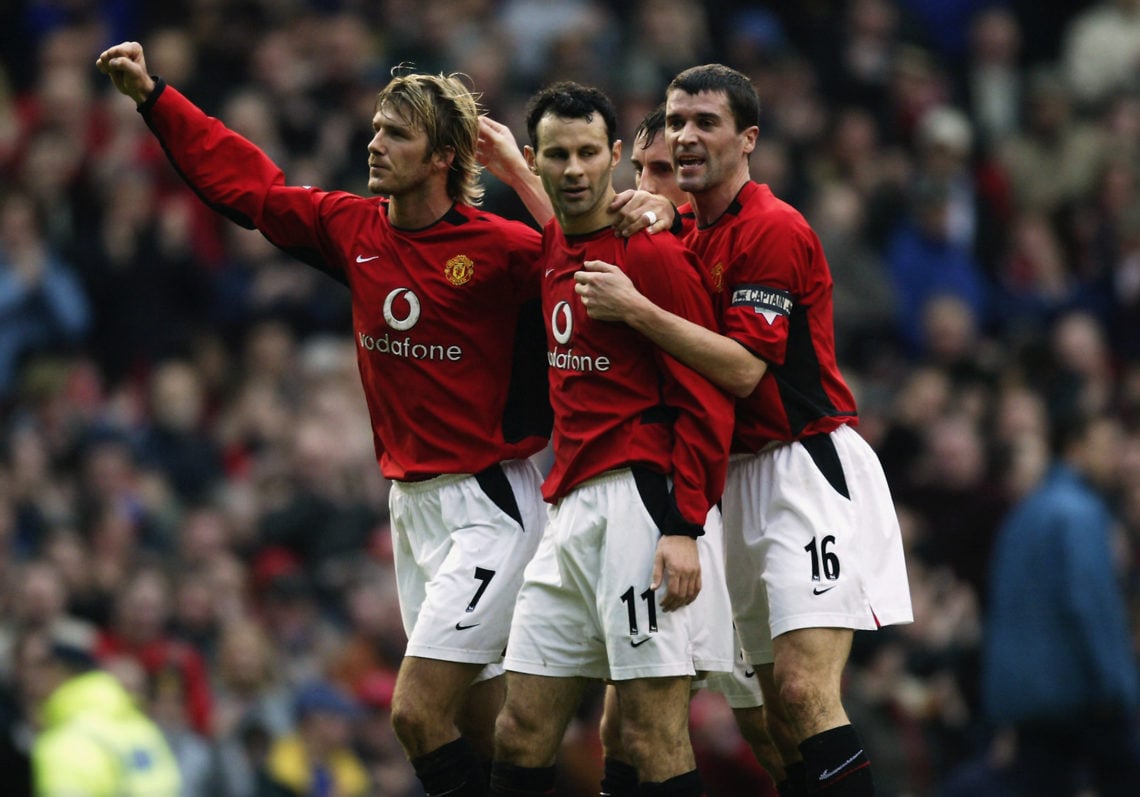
93, 740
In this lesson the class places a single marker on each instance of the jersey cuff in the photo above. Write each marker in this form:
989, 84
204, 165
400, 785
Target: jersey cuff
674, 525
145, 106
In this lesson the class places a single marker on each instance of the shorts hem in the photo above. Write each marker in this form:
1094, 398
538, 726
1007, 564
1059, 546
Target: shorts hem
859, 622
714, 665
454, 655
741, 701
553, 670
677, 670
896, 618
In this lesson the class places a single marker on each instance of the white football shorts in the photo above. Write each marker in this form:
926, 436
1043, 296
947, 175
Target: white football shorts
741, 687
460, 544
812, 541
585, 608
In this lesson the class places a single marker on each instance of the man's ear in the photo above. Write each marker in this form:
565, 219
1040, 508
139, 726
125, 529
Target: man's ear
528, 153
751, 135
615, 154
444, 158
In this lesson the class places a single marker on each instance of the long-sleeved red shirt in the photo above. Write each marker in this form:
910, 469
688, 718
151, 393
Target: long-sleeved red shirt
772, 291
618, 399
452, 372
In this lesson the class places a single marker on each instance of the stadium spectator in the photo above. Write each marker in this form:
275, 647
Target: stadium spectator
42, 306
1059, 665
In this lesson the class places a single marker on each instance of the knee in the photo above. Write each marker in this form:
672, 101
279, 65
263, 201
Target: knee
637, 743
797, 694
609, 729
644, 743
413, 724
515, 727
805, 701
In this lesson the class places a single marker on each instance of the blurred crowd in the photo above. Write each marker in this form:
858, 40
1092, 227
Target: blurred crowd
185, 456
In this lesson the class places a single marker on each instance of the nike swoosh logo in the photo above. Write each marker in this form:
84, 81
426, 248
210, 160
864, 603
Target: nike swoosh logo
750, 673
360, 259
827, 773
462, 627
633, 644
821, 590
549, 271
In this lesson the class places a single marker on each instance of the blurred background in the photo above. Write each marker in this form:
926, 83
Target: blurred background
185, 456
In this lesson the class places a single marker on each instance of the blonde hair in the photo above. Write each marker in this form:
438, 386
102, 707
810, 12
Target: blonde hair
448, 112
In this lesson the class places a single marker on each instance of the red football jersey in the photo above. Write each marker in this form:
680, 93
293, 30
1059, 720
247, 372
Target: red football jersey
434, 310
618, 399
772, 290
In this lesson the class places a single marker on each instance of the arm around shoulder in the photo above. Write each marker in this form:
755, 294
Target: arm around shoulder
609, 295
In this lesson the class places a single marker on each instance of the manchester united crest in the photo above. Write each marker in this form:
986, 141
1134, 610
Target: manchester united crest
459, 270
717, 277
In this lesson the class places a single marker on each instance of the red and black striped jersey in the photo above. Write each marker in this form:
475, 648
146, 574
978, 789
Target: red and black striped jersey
436, 312
618, 399
772, 290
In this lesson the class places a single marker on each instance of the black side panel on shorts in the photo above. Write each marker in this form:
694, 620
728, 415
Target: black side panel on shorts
494, 483
654, 491
826, 458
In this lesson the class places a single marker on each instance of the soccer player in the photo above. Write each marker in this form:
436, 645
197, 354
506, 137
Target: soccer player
653, 170
457, 404
813, 544
640, 446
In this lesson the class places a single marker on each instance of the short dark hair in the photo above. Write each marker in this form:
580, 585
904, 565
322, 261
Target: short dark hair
569, 100
736, 86
651, 125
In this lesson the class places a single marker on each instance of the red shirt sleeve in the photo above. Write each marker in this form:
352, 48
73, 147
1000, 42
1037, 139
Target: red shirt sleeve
667, 273
234, 177
766, 284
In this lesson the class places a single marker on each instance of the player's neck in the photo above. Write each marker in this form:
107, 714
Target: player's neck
710, 205
598, 218
419, 207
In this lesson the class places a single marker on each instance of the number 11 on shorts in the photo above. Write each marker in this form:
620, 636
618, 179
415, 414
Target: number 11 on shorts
630, 600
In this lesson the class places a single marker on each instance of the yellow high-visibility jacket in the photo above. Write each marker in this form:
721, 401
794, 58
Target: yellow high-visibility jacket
97, 743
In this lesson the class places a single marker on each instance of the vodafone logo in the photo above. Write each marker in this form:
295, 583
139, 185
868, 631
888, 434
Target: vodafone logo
413, 314
402, 312
562, 322
562, 328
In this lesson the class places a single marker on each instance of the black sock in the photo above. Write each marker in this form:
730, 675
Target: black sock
793, 784
453, 770
507, 780
836, 764
619, 779
686, 785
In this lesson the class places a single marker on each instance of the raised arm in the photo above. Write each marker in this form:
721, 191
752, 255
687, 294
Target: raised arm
499, 153
227, 171
125, 65
608, 295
